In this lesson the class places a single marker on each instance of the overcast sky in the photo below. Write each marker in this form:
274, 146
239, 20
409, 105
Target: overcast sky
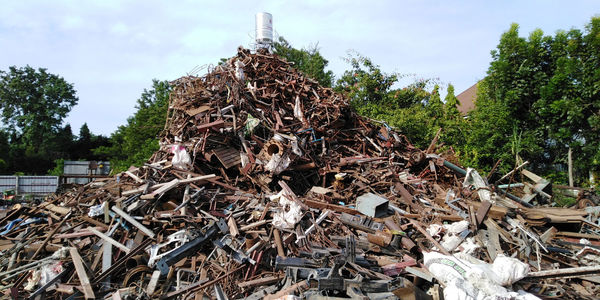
111, 50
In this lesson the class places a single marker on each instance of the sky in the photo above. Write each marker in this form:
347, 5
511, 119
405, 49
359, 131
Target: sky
111, 50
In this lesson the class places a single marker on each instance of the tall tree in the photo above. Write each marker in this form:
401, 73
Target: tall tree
63, 142
451, 102
307, 60
134, 142
82, 146
371, 92
435, 106
454, 125
365, 83
33, 104
546, 99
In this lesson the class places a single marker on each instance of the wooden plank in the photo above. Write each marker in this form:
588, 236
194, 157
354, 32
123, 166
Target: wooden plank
233, 229
157, 186
80, 270
80, 233
153, 282
133, 222
57, 209
163, 189
495, 212
109, 239
134, 177
579, 235
566, 272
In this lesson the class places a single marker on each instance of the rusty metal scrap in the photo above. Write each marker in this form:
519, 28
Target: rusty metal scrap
253, 194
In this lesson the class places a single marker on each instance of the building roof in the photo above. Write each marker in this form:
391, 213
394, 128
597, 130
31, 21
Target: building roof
466, 99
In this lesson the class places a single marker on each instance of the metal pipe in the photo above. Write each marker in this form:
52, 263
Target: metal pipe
454, 167
512, 185
33, 265
514, 198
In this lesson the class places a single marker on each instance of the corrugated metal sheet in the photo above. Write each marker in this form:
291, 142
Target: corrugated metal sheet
229, 157
34, 185
8, 183
75, 167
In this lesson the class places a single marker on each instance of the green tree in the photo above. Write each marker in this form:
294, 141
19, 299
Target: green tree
453, 124
365, 83
542, 94
135, 142
83, 144
435, 107
33, 104
451, 103
371, 92
307, 60
64, 142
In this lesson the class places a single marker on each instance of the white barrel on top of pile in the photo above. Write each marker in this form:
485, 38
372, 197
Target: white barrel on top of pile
264, 28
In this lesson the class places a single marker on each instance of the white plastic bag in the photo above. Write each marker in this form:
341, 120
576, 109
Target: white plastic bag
181, 159
289, 212
298, 110
278, 163
239, 70
466, 277
97, 210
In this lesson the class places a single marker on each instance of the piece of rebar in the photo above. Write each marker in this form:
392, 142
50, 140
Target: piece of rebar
580, 271
278, 243
121, 262
429, 237
49, 236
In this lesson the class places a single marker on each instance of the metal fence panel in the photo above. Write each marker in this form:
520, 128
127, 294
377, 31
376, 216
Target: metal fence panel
33, 185
77, 167
8, 183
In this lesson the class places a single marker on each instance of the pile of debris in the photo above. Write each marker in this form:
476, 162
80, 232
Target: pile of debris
268, 185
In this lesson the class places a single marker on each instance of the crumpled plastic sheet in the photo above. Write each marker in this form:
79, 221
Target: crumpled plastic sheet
239, 70
97, 210
48, 270
278, 163
289, 212
13, 224
181, 158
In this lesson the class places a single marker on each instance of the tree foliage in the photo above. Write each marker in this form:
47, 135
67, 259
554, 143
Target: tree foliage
541, 94
33, 104
412, 110
135, 142
307, 60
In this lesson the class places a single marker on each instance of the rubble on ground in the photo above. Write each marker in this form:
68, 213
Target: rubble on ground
268, 185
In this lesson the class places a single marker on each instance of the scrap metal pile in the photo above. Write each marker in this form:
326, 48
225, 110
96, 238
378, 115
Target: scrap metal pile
268, 185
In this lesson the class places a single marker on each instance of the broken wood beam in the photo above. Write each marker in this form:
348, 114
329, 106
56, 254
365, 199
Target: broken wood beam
109, 239
83, 277
133, 222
